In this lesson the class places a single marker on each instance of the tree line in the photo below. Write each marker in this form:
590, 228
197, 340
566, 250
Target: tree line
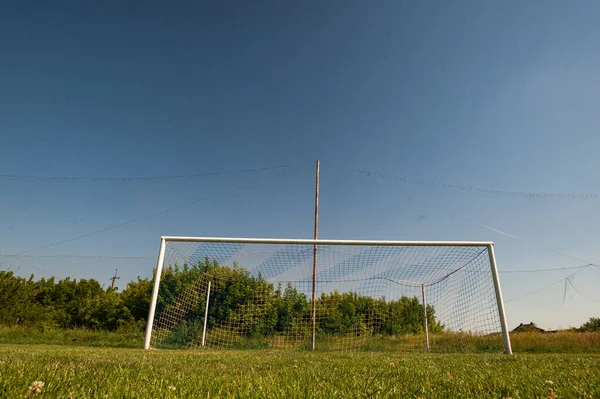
249, 304
69, 303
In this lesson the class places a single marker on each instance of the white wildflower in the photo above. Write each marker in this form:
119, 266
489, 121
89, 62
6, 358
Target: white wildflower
172, 388
36, 387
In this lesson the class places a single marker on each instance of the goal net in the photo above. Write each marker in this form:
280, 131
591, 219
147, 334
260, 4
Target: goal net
326, 295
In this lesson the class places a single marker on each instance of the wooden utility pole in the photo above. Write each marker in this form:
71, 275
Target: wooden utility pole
113, 278
314, 288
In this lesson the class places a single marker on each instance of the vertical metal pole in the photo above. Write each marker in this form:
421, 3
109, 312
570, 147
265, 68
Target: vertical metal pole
159, 266
205, 314
499, 300
314, 287
425, 314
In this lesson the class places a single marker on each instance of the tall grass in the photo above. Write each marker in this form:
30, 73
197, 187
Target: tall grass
524, 342
560, 342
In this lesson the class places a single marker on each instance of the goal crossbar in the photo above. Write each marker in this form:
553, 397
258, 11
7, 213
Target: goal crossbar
301, 241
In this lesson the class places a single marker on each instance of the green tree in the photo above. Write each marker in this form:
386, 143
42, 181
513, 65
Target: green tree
593, 324
136, 298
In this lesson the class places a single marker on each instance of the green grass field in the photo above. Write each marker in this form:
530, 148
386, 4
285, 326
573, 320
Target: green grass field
84, 372
96, 364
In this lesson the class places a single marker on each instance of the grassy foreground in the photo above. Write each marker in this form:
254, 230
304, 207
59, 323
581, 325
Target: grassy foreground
76, 372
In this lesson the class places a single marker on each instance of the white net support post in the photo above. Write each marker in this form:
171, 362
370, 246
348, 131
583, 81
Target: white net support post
249, 293
425, 317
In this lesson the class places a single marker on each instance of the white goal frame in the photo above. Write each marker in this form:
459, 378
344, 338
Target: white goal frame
488, 244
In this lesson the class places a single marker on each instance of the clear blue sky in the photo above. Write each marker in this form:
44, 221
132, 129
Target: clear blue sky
496, 94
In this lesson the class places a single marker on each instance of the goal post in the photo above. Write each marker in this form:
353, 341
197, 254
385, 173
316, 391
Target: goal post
154, 298
365, 295
499, 299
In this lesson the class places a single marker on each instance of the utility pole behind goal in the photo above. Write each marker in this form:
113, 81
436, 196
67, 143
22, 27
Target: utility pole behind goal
314, 272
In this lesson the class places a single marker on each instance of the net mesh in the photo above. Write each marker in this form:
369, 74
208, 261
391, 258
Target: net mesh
368, 297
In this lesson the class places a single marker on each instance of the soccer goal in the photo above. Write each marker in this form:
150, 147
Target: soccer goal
249, 293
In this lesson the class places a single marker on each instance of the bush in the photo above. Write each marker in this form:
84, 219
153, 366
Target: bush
593, 324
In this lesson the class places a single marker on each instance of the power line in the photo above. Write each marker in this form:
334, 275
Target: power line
535, 292
31, 265
143, 218
583, 296
562, 280
505, 193
136, 257
78, 256
565, 292
547, 270
136, 179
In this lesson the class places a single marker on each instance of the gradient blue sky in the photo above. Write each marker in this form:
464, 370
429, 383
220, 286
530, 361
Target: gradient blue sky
496, 94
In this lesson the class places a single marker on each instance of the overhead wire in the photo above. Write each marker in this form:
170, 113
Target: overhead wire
562, 280
435, 184
137, 178
146, 217
31, 265
134, 257
547, 270
580, 293
81, 256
